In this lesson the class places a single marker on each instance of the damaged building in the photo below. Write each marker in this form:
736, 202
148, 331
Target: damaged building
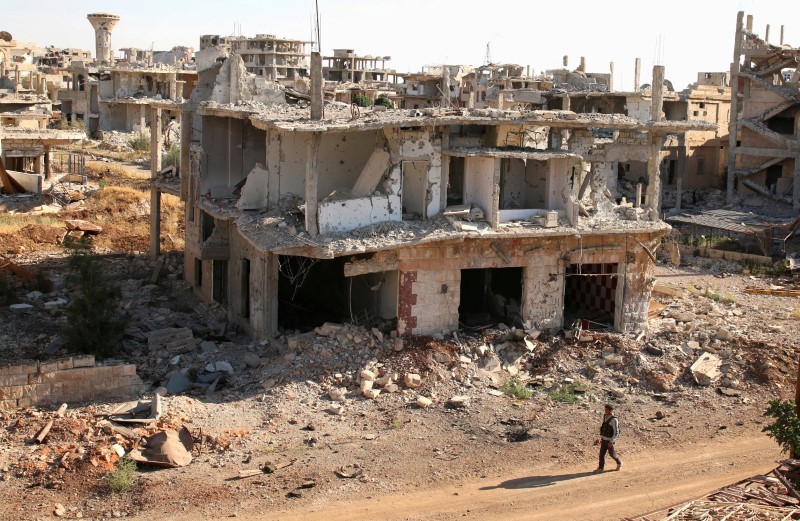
763, 154
427, 220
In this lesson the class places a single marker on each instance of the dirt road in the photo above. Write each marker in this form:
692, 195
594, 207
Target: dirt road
648, 482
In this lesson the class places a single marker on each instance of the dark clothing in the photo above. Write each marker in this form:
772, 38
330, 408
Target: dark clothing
607, 446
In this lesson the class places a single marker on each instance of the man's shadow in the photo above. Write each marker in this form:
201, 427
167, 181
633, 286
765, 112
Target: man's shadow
537, 481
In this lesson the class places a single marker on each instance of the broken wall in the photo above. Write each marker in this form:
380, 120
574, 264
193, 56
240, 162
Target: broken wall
74, 379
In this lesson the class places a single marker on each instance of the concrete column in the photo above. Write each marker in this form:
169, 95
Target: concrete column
38, 164
312, 177
582, 65
565, 61
658, 95
43, 86
766, 34
637, 71
611, 81
317, 100
446, 88
185, 170
155, 193
142, 117
734, 115
749, 23
16, 79
653, 201
173, 87
47, 162
796, 187
781, 35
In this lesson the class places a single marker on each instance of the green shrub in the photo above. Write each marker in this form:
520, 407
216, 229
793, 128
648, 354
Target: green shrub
362, 101
123, 477
140, 143
172, 157
386, 102
564, 394
93, 325
786, 427
516, 389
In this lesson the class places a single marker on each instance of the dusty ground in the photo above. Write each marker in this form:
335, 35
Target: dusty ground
496, 457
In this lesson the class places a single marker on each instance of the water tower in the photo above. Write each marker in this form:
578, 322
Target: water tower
103, 24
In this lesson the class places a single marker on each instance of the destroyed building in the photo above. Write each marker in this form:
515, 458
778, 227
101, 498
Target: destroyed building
763, 154
265, 55
108, 96
435, 86
430, 219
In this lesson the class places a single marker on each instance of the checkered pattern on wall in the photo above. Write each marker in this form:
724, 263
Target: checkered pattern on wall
595, 291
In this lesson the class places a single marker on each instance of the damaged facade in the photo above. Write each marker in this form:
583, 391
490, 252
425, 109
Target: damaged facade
764, 154
433, 219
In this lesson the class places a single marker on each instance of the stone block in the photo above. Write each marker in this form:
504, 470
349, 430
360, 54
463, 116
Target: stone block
64, 364
13, 379
49, 367
8, 404
424, 402
11, 392
128, 370
371, 393
412, 380
83, 361
19, 369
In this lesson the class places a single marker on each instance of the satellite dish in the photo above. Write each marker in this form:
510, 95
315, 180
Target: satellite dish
5, 35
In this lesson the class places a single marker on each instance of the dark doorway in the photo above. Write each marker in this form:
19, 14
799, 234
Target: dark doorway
489, 296
220, 281
774, 173
590, 295
455, 182
312, 292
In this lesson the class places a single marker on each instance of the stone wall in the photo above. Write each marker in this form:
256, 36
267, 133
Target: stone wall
71, 380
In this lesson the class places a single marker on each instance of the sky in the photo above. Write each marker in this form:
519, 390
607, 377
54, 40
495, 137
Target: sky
685, 36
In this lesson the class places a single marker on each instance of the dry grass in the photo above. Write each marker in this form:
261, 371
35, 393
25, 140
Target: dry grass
118, 199
795, 314
13, 222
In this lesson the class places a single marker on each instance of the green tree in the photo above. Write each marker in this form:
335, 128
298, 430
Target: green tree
94, 325
786, 427
362, 101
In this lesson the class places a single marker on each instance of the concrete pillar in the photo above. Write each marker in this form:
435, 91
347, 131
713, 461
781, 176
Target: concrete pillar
312, 177
43, 86
173, 87
142, 117
155, 193
734, 114
796, 187
658, 95
38, 164
16, 79
446, 88
766, 34
654, 177
47, 162
582, 65
317, 101
749, 23
611, 81
565, 61
781, 35
185, 170
637, 74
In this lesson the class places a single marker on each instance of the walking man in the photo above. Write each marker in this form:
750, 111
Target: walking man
609, 432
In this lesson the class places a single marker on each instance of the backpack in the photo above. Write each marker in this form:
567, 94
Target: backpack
606, 430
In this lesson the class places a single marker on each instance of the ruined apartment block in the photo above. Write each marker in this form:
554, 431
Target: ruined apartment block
433, 219
764, 148
265, 55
